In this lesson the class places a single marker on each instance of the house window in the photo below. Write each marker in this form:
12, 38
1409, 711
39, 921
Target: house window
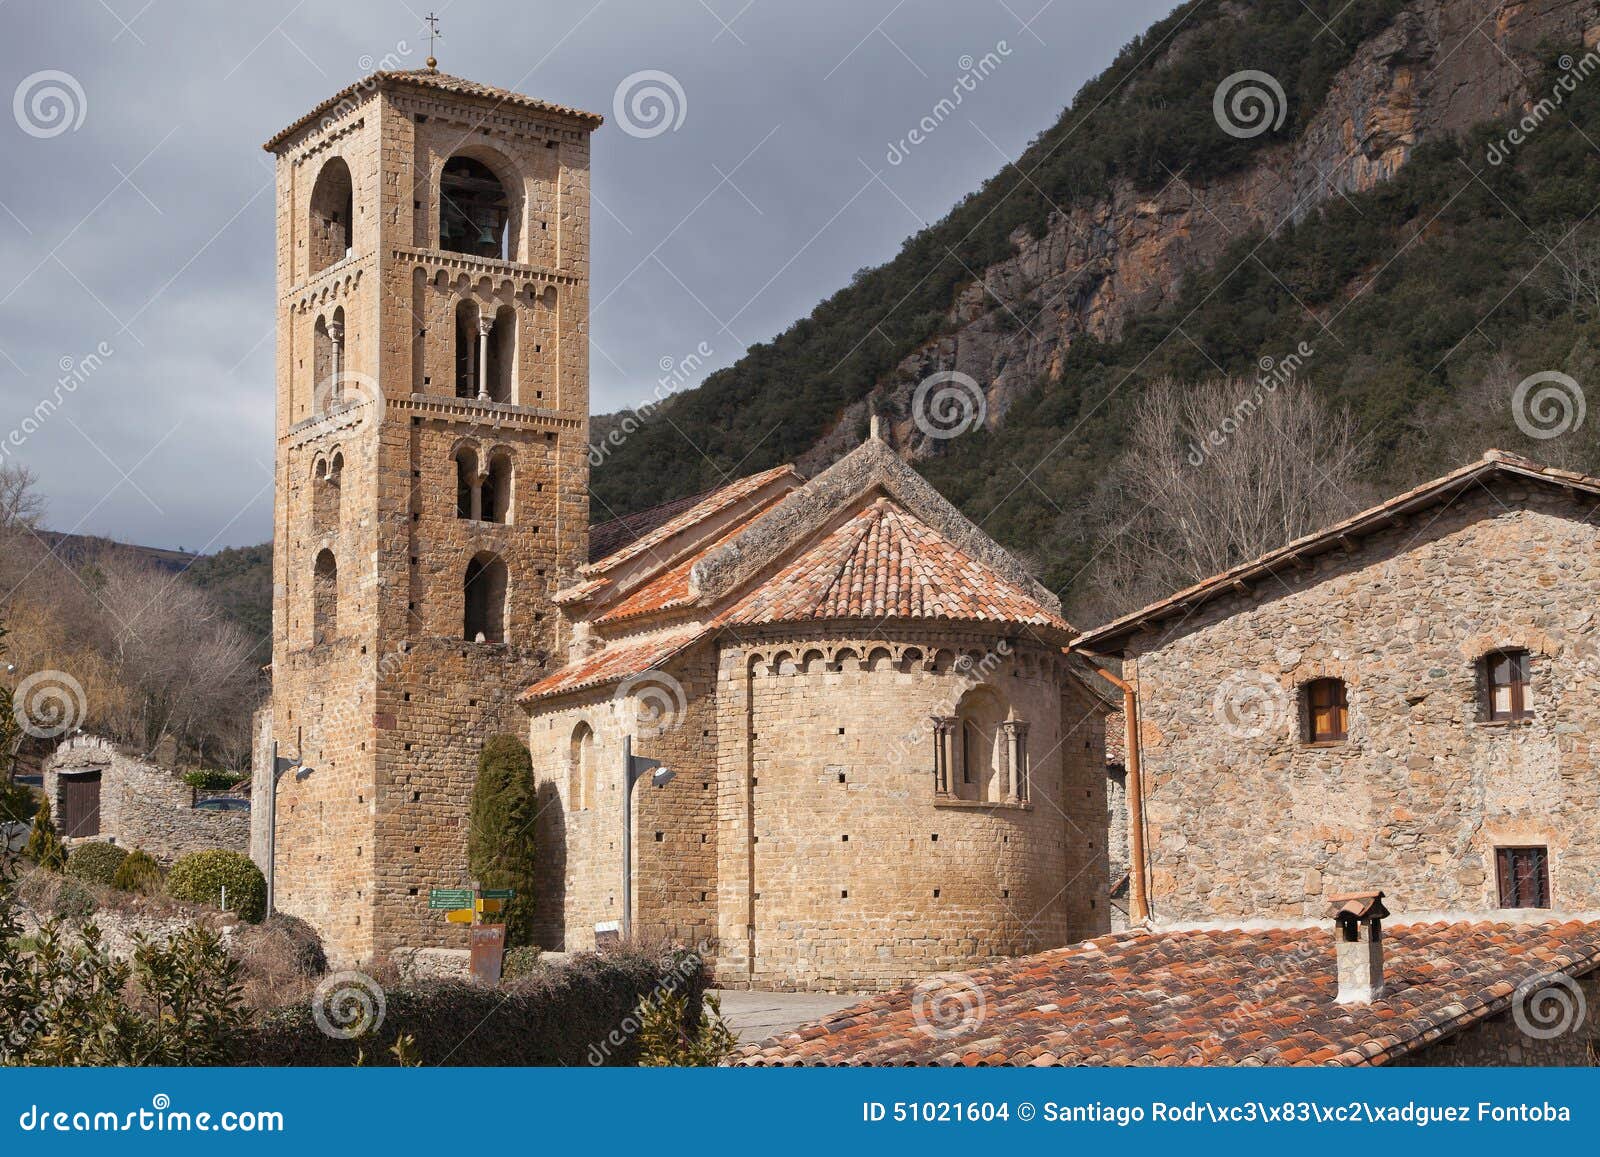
1327, 711
1524, 875
1505, 686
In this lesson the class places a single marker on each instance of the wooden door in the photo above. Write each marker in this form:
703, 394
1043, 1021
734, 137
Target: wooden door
80, 804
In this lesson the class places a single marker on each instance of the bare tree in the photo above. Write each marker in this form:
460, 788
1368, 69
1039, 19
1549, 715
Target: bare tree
21, 504
1570, 271
1214, 475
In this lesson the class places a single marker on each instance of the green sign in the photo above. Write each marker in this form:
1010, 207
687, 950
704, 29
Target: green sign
499, 893
450, 898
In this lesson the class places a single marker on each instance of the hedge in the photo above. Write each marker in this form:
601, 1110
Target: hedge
580, 1012
201, 877
96, 862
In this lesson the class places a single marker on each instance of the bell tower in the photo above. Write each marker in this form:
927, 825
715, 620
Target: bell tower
431, 473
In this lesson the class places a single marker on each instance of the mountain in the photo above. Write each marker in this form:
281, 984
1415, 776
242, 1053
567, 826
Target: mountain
1387, 219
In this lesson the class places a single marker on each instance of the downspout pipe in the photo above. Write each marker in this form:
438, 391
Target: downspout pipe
1138, 892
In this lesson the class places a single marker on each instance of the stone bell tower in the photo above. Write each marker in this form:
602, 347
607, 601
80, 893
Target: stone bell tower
431, 471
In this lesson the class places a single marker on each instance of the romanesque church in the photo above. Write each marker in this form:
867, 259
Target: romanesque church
883, 761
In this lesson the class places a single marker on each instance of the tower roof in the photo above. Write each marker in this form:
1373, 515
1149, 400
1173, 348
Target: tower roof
427, 78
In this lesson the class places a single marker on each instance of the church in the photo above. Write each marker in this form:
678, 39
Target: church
867, 753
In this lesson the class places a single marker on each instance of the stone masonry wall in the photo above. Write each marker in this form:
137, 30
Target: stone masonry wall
1499, 1041
1245, 819
144, 806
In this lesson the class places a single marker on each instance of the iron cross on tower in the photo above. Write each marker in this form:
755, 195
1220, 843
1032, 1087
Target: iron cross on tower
432, 21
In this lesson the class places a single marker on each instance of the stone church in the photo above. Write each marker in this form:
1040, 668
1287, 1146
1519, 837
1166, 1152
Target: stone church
883, 761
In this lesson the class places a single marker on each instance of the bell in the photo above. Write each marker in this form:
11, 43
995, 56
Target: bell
487, 235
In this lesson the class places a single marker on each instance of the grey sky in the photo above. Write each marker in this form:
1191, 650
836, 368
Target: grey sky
146, 230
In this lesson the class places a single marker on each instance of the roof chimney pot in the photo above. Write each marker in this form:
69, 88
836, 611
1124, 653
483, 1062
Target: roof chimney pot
1358, 944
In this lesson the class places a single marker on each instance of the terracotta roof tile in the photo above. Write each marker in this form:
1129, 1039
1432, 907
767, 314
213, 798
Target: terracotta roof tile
887, 563
1213, 997
617, 661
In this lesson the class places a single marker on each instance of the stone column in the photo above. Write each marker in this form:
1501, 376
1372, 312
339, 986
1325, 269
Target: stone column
485, 324
1016, 733
943, 729
336, 379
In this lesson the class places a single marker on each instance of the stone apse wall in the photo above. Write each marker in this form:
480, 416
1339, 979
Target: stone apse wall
1252, 821
801, 842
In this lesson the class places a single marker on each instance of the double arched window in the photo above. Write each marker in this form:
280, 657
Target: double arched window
484, 496
486, 352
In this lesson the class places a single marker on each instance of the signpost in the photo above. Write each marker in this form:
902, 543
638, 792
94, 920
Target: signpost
486, 939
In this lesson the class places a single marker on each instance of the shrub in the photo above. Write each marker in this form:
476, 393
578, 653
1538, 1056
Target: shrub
44, 844
97, 863
281, 957
65, 1001
669, 1036
204, 878
584, 1011
500, 836
521, 961
206, 779
73, 901
138, 873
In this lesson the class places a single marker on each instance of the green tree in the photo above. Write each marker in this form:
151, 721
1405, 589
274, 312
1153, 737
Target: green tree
44, 843
500, 842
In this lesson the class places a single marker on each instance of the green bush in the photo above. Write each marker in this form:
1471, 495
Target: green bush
97, 863
72, 901
202, 877
207, 779
521, 961
584, 1011
500, 836
138, 873
44, 844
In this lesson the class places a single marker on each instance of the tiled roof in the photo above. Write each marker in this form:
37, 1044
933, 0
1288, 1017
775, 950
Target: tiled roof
886, 563
617, 661
612, 535
671, 588
1213, 997
711, 503
444, 82
1369, 521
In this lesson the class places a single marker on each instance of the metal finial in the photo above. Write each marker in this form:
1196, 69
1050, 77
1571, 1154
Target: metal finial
432, 21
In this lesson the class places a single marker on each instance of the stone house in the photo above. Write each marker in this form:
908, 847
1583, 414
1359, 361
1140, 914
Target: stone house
97, 791
1403, 699
885, 765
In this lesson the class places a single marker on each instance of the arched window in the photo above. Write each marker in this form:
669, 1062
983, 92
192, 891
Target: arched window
474, 210
979, 743
499, 372
332, 233
466, 481
580, 769
485, 598
466, 350
495, 504
325, 598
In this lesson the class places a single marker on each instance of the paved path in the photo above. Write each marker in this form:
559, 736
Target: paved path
757, 1015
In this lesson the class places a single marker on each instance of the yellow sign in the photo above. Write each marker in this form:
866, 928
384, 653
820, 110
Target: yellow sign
459, 916
490, 907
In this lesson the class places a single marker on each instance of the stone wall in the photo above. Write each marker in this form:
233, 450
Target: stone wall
1245, 818
801, 843
142, 805
1501, 1041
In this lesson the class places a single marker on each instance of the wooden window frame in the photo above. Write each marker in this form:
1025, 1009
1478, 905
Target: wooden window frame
1337, 708
1516, 685
1511, 878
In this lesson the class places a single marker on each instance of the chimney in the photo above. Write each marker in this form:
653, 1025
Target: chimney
1358, 945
